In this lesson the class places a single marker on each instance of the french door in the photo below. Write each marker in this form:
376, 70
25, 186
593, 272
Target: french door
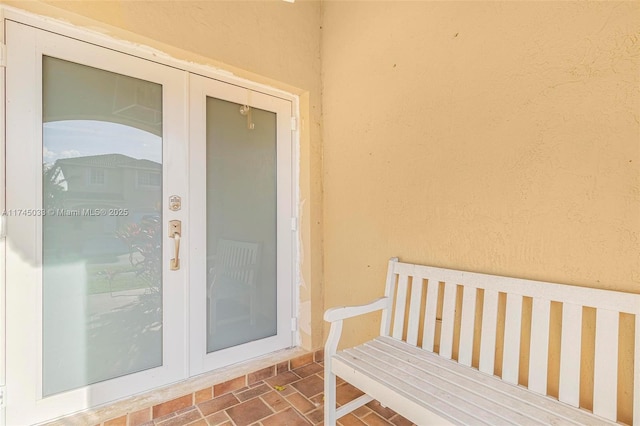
241, 256
148, 224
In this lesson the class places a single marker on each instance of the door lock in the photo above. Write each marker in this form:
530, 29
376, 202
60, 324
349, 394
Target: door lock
175, 203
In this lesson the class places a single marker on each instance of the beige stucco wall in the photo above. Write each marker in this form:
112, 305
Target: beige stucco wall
270, 42
499, 137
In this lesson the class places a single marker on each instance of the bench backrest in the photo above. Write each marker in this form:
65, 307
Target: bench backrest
464, 307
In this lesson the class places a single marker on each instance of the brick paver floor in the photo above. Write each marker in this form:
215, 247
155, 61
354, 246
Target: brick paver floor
292, 398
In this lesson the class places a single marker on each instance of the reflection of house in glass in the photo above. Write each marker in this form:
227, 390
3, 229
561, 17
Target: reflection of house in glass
94, 197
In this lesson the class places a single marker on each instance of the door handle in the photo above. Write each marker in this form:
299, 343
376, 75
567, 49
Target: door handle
175, 229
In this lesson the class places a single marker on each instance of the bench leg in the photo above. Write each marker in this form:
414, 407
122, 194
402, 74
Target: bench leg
329, 395
330, 415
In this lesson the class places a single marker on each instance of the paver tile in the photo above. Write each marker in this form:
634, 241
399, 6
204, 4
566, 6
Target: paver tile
216, 404
288, 417
253, 392
350, 420
249, 412
309, 386
346, 393
372, 419
300, 403
276, 401
169, 407
308, 370
229, 386
316, 416
217, 418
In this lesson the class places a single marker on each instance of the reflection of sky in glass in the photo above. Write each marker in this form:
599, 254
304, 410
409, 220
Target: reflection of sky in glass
81, 138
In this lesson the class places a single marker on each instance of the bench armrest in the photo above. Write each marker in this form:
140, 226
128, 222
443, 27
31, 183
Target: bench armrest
336, 315
344, 312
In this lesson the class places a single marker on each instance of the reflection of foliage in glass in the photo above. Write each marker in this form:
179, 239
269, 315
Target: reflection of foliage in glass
52, 186
145, 251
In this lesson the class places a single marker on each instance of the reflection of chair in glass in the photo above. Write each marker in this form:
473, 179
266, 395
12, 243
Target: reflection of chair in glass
232, 283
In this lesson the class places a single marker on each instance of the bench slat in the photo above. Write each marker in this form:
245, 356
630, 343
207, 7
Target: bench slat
570, 347
488, 333
414, 311
605, 368
512, 326
448, 318
453, 401
467, 321
519, 394
401, 303
390, 285
429, 331
539, 347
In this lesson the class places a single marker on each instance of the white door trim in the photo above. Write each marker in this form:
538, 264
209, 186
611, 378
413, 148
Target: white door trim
138, 50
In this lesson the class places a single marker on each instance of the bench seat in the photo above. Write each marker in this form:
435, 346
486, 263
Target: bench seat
429, 389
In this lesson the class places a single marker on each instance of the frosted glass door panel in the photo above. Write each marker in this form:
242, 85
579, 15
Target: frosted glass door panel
241, 224
102, 192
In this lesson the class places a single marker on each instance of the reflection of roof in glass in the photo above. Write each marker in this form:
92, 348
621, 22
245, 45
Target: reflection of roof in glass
110, 160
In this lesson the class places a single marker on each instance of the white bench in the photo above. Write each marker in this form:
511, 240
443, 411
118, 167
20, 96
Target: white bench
401, 370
